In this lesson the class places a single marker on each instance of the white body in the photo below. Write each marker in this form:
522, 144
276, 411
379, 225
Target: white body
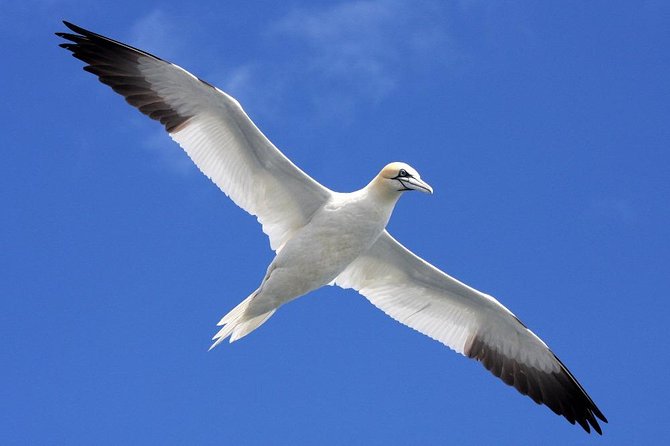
321, 250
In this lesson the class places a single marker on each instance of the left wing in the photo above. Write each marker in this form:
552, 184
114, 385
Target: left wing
417, 294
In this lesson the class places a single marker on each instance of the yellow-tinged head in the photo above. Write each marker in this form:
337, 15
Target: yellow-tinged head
400, 177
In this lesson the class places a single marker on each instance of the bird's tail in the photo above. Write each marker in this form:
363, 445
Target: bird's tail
237, 324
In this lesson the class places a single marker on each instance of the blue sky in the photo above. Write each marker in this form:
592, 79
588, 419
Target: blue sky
543, 128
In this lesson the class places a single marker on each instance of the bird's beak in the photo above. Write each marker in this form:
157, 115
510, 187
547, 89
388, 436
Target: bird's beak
418, 184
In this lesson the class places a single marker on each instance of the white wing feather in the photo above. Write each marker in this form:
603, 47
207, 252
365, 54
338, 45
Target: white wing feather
417, 294
414, 292
212, 128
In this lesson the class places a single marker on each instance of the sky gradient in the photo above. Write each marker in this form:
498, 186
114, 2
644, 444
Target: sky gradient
543, 130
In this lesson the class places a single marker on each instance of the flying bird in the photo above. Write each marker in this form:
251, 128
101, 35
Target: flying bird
323, 237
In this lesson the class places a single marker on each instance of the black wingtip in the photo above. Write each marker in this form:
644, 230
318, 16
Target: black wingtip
74, 27
559, 390
117, 64
597, 428
77, 29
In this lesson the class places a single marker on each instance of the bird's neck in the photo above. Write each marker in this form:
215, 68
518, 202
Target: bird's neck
381, 198
379, 191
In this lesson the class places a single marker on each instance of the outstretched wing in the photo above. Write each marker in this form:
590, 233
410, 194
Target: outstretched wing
417, 294
211, 127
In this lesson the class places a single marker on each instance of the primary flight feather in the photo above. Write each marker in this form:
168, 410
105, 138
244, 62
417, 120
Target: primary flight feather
322, 237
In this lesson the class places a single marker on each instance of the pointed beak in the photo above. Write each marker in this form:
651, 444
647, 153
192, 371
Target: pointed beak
420, 185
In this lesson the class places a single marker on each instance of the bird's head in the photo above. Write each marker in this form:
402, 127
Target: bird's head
400, 177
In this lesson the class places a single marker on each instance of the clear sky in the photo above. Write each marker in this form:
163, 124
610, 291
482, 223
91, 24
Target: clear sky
542, 126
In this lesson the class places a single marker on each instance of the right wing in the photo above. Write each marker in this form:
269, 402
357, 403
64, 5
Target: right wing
211, 127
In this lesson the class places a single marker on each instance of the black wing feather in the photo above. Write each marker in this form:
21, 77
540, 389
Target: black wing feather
116, 64
559, 391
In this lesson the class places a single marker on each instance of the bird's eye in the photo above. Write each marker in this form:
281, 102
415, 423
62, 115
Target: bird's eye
402, 173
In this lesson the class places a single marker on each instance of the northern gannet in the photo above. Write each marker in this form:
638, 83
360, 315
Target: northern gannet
323, 237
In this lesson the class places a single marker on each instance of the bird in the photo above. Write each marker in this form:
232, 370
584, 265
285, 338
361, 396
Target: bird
322, 237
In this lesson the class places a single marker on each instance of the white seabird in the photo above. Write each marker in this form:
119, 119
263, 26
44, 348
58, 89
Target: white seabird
323, 237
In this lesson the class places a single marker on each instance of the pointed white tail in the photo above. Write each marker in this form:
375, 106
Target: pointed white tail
237, 324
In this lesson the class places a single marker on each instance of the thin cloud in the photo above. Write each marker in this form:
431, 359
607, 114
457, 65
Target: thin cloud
340, 55
615, 209
156, 32
258, 86
366, 46
330, 61
167, 155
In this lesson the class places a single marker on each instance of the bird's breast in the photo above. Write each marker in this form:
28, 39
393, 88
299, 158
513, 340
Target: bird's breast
337, 234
